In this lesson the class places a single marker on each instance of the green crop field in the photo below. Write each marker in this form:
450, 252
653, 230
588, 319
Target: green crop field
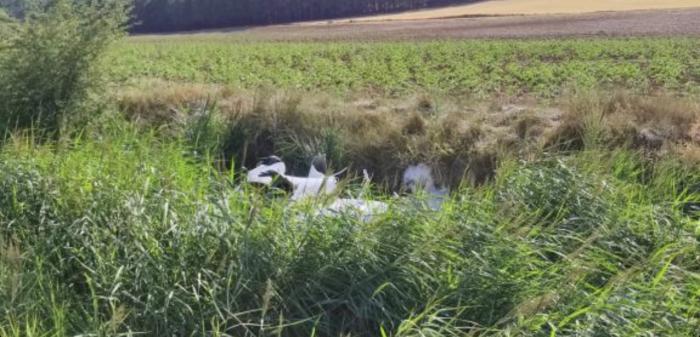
475, 67
572, 168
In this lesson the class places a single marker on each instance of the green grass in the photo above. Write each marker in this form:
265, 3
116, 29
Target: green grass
128, 233
481, 67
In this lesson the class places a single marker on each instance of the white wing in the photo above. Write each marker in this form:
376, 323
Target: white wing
254, 174
365, 210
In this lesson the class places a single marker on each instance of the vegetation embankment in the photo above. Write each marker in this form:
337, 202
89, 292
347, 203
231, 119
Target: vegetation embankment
459, 105
462, 138
130, 216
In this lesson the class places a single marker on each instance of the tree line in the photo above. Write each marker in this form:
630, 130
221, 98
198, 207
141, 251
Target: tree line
178, 15
14, 8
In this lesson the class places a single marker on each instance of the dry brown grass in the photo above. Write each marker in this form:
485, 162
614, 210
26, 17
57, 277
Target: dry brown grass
619, 118
461, 137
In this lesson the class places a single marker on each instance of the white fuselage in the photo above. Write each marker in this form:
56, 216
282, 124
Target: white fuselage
305, 187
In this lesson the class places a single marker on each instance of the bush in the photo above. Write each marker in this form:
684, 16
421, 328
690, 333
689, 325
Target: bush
50, 62
6, 23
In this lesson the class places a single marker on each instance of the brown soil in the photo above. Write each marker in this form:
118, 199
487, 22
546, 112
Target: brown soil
671, 22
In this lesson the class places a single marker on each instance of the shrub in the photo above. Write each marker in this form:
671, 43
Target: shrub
6, 23
50, 64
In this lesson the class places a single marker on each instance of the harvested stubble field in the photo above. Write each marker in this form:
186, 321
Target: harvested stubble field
572, 165
533, 7
667, 23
